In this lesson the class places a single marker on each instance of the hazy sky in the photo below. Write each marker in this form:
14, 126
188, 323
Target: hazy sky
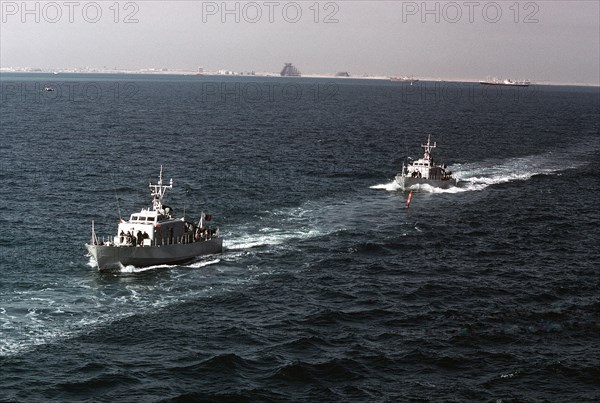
545, 41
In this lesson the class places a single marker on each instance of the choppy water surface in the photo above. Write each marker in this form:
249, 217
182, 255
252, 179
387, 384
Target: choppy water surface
328, 288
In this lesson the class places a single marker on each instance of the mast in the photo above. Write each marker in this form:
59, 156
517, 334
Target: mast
428, 147
158, 191
94, 240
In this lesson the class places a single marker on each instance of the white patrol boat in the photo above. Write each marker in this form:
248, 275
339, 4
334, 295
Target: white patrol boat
425, 172
154, 237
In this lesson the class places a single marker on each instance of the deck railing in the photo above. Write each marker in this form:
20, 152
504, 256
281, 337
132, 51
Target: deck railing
181, 240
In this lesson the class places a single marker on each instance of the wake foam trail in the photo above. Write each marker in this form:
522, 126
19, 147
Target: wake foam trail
393, 186
133, 270
276, 237
477, 176
390, 187
77, 306
198, 265
282, 227
461, 187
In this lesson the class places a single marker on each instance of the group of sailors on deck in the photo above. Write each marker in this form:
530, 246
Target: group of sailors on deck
129, 239
435, 174
200, 234
203, 234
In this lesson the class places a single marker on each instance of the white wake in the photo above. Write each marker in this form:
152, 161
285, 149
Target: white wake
480, 175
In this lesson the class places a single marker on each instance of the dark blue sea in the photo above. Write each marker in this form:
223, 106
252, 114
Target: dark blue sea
328, 288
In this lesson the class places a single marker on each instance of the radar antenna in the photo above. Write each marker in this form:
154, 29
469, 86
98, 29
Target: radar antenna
158, 191
428, 147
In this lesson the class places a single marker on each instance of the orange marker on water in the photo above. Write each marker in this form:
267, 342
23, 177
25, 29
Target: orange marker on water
408, 200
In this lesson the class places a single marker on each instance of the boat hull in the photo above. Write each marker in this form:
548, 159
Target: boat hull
111, 257
407, 182
505, 84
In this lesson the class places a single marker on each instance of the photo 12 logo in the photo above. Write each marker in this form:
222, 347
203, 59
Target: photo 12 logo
431, 93
260, 92
253, 12
69, 91
53, 12
470, 11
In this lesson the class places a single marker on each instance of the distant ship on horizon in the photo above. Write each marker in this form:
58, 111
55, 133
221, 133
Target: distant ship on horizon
506, 82
404, 79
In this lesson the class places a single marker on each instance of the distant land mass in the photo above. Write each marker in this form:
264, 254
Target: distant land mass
200, 71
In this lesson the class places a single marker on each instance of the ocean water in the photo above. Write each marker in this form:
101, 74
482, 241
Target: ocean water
328, 289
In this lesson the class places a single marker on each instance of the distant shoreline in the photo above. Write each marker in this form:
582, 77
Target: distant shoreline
261, 75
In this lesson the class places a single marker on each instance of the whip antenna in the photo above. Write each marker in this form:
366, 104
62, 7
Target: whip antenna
116, 197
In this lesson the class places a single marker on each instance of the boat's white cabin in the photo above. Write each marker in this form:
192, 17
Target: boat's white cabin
148, 217
419, 168
152, 227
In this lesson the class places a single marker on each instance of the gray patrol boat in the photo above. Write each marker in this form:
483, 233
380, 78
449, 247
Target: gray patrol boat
425, 172
154, 237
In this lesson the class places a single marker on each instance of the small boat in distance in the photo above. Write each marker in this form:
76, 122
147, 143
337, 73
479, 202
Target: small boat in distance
404, 79
154, 236
49, 88
425, 172
506, 82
